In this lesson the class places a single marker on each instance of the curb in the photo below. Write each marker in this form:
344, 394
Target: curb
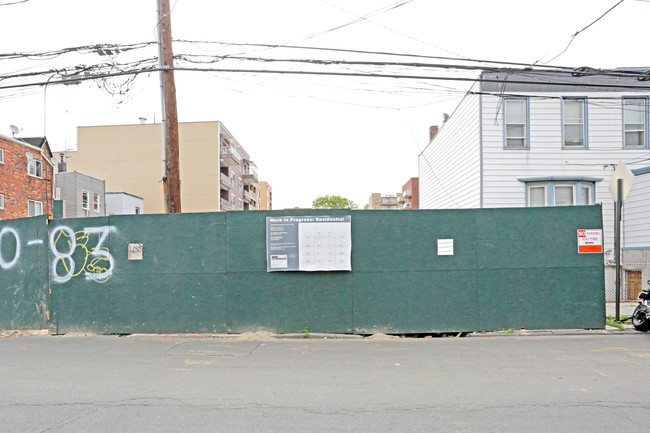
558, 332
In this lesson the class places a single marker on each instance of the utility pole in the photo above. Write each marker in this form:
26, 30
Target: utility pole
171, 169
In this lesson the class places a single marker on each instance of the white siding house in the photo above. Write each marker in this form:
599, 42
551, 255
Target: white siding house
636, 234
540, 138
636, 212
451, 168
122, 203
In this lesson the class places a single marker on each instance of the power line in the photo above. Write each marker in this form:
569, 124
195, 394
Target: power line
14, 3
580, 31
335, 74
359, 18
380, 53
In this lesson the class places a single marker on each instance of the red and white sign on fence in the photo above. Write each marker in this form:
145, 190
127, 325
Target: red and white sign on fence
590, 241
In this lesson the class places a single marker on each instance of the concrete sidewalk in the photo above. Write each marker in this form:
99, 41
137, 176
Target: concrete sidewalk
627, 308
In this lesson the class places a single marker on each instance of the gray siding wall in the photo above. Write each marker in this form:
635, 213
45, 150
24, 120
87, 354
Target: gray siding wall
636, 214
70, 186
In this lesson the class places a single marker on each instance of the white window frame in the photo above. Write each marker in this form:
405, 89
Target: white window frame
32, 214
526, 124
573, 193
86, 205
96, 203
2, 201
550, 193
2, 156
35, 168
583, 123
537, 185
590, 188
643, 129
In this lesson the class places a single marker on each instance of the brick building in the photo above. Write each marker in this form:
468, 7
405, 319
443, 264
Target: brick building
26, 177
411, 194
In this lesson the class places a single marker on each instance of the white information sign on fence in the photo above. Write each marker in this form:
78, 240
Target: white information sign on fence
308, 243
590, 241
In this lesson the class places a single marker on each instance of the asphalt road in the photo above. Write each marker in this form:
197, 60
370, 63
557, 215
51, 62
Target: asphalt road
587, 383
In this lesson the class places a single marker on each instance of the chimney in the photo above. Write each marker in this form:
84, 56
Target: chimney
62, 165
433, 131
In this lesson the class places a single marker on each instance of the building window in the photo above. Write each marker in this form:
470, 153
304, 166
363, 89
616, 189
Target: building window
84, 200
2, 201
34, 208
586, 196
573, 123
2, 156
634, 119
240, 204
515, 112
241, 185
96, 202
35, 168
232, 201
564, 195
537, 195
568, 191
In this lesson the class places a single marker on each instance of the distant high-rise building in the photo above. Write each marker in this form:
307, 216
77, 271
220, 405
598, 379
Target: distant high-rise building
216, 172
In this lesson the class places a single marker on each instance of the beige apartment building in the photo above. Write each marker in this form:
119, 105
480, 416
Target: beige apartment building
379, 201
266, 195
216, 172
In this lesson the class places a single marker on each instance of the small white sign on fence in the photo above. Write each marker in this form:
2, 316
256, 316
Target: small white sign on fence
590, 241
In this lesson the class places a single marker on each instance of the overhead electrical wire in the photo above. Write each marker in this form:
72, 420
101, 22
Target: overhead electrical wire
14, 3
359, 18
395, 31
368, 52
328, 73
580, 31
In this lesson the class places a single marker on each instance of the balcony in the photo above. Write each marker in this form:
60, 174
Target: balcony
225, 205
400, 200
407, 193
407, 205
229, 155
250, 175
226, 183
249, 196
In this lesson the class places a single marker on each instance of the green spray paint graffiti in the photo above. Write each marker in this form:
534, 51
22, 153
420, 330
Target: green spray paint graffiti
81, 253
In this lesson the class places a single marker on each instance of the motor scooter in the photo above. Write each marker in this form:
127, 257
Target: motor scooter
641, 316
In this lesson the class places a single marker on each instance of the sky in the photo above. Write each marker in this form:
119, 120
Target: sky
309, 135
